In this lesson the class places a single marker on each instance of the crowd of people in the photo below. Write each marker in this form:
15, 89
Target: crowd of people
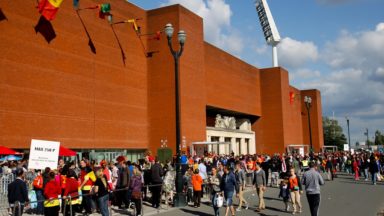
90, 186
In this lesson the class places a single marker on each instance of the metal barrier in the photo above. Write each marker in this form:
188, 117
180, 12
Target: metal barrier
17, 205
5, 179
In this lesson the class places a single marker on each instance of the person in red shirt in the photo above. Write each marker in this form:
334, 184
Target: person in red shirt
197, 181
86, 185
71, 193
52, 193
296, 190
355, 166
107, 173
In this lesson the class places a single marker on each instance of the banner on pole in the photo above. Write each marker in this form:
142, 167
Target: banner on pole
301, 151
43, 154
346, 147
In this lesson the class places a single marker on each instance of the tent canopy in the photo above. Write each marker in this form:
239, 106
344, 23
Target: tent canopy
11, 158
66, 152
7, 151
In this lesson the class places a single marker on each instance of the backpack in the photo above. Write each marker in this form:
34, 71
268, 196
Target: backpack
38, 182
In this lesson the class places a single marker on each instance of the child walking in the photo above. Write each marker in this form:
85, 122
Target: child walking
197, 181
284, 193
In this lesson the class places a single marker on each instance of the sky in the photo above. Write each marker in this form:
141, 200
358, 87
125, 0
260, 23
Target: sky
335, 46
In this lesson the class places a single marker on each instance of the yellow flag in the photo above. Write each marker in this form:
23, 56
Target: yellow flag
91, 175
55, 3
134, 23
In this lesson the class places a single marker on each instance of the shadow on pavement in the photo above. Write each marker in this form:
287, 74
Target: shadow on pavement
360, 182
275, 209
272, 198
195, 212
263, 214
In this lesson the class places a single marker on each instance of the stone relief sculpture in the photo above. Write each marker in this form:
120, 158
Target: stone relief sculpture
225, 122
244, 124
219, 123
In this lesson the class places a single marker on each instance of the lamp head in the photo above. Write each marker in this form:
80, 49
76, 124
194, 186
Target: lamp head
168, 29
110, 19
308, 99
181, 36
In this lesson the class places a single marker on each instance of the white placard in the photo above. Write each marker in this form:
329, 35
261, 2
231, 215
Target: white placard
43, 154
301, 151
346, 147
352, 151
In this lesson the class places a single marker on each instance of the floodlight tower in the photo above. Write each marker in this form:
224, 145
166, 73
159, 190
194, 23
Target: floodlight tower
269, 28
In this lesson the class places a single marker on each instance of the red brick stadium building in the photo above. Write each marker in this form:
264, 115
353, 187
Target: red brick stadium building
92, 99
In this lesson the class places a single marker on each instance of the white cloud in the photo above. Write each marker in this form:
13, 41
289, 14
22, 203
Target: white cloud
303, 74
354, 84
380, 72
293, 53
260, 48
380, 27
373, 111
361, 50
217, 23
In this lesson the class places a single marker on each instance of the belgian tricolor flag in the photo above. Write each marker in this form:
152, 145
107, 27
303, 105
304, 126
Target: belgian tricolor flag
104, 10
49, 8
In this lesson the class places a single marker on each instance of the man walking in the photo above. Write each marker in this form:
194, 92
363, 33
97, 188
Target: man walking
260, 185
123, 182
228, 183
157, 181
240, 186
18, 193
312, 181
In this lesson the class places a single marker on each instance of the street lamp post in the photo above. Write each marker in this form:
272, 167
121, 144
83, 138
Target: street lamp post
366, 133
308, 101
179, 200
349, 135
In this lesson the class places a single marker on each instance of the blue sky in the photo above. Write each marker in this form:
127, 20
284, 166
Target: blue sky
336, 46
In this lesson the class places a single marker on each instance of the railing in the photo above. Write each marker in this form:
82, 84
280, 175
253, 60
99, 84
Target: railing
17, 206
5, 179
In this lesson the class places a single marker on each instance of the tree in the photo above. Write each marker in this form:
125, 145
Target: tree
379, 138
333, 133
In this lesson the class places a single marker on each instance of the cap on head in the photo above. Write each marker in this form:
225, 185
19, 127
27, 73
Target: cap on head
103, 163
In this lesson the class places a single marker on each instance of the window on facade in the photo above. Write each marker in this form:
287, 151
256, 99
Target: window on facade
215, 147
227, 146
247, 144
238, 144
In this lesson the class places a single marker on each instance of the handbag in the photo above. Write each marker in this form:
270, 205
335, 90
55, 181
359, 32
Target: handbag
136, 194
379, 177
219, 200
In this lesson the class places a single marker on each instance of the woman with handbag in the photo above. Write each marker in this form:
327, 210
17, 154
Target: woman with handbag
100, 189
214, 182
295, 188
136, 185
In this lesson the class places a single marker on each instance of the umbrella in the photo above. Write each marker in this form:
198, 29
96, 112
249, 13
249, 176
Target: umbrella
7, 151
11, 158
66, 152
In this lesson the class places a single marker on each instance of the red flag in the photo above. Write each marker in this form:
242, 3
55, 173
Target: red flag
49, 8
291, 97
157, 35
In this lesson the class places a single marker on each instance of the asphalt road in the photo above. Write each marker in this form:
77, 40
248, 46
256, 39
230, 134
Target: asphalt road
340, 197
